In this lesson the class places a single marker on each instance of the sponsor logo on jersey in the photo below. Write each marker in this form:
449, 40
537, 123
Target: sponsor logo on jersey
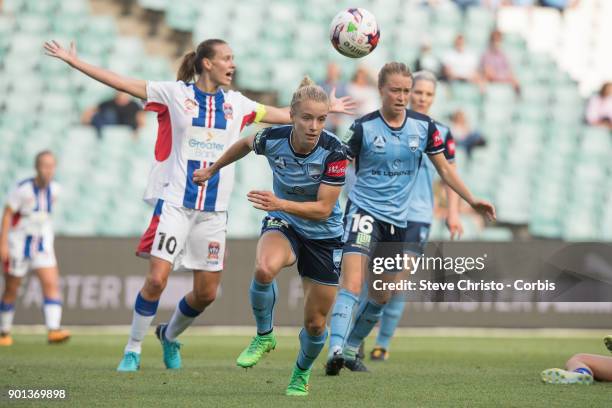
276, 223
205, 145
337, 168
214, 248
228, 111
348, 135
450, 146
190, 105
437, 139
296, 190
397, 163
413, 142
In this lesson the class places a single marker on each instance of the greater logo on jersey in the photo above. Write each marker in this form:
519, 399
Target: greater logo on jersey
190, 105
205, 145
337, 168
379, 144
280, 162
214, 248
314, 170
228, 111
413, 142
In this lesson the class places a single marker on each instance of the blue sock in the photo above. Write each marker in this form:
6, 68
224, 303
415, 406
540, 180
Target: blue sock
583, 370
341, 318
392, 314
310, 348
263, 298
145, 307
366, 318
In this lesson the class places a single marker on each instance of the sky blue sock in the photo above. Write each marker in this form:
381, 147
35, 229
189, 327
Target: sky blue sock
263, 298
341, 318
366, 318
392, 314
310, 348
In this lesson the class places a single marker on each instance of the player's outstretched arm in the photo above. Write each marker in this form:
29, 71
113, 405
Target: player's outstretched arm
235, 152
311, 210
453, 221
6, 222
452, 179
135, 87
275, 115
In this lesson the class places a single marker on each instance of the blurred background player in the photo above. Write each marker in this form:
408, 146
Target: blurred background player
188, 219
387, 146
121, 110
303, 225
582, 368
26, 243
420, 214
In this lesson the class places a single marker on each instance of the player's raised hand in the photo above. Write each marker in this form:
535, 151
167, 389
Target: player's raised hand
455, 227
345, 104
200, 176
264, 200
484, 208
53, 49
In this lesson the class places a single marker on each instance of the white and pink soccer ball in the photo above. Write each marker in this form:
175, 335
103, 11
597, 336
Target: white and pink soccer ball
354, 32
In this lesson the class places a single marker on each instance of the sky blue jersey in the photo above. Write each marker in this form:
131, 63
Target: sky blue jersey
421, 198
296, 177
387, 161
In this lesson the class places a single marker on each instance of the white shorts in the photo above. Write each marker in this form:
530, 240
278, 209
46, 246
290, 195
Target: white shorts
187, 238
29, 252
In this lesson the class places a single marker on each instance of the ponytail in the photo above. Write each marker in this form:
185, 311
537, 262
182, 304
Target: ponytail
191, 65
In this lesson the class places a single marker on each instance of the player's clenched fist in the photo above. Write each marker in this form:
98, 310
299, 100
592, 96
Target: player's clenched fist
200, 176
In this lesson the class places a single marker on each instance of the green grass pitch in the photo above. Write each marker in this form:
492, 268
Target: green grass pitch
422, 372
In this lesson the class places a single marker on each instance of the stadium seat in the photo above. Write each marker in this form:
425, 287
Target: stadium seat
497, 234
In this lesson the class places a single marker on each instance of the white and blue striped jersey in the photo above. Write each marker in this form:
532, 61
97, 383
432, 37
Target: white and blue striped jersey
387, 162
297, 177
421, 197
195, 128
32, 208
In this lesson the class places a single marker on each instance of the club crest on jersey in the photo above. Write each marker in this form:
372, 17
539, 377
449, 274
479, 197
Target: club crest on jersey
379, 144
214, 248
190, 105
413, 142
228, 111
314, 170
280, 163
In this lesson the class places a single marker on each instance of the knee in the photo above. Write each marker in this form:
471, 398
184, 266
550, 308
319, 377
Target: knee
205, 297
155, 284
264, 271
576, 360
315, 326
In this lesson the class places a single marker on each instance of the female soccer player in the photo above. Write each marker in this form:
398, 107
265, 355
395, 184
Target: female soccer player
387, 146
198, 120
420, 212
304, 224
582, 369
26, 242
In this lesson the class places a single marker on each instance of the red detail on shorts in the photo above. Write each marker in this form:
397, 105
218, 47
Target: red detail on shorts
15, 219
336, 169
6, 267
146, 241
163, 144
437, 140
248, 119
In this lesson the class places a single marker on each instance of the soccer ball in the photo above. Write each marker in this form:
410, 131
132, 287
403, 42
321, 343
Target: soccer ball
354, 32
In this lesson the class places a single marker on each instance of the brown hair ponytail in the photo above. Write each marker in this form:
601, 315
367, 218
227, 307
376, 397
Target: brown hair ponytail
191, 65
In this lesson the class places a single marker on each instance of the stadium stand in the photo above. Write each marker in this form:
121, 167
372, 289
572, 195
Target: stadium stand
543, 168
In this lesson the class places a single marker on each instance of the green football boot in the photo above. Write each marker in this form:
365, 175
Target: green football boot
298, 385
253, 353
